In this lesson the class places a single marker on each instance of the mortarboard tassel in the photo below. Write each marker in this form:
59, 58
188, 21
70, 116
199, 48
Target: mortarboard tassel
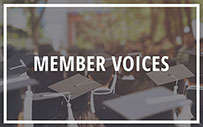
185, 114
92, 102
27, 113
70, 112
113, 86
175, 88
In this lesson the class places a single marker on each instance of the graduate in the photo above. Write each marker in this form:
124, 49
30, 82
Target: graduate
126, 80
76, 104
17, 82
152, 104
43, 110
108, 80
172, 79
103, 77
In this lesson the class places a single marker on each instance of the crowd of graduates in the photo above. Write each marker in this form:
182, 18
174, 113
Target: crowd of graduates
126, 82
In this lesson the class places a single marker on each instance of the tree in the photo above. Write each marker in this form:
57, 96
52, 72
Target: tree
35, 21
154, 22
189, 17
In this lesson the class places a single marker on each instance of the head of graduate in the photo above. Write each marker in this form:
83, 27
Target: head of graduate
103, 77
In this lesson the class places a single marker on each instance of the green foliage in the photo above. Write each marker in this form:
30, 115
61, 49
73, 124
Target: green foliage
119, 25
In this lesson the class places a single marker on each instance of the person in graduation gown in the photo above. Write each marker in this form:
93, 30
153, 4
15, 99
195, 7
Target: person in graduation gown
106, 79
48, 109
80, 99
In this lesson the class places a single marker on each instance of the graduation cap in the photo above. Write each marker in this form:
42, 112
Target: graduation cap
135, 54
46, 95
179, 71
79, 87
172, 78
74, 90
20, 59
192, 60
192, 63
108, 59
103, 76
191, 94
15, 82
18, 63
124, 84
102, 111
148, 104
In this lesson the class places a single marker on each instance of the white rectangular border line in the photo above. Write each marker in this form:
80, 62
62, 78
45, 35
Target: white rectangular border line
5, 64
198, 63
101, 5
197, 6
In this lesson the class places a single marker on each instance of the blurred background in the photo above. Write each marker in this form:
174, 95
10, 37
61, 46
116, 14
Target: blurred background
115, 30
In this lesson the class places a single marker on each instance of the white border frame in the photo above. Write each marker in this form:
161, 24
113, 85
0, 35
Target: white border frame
197, 6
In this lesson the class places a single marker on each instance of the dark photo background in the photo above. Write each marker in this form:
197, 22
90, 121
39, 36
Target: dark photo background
87, 31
